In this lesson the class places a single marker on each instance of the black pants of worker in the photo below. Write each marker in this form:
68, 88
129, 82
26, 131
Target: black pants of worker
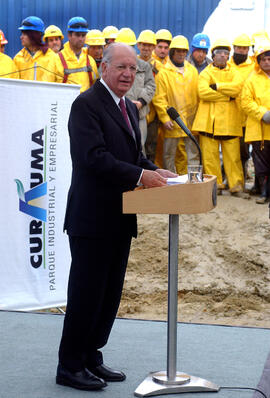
261, 158
94, 291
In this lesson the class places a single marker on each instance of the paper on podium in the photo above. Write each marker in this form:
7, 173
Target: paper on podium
177, 180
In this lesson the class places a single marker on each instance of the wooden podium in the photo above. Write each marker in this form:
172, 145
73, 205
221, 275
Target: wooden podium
189, 198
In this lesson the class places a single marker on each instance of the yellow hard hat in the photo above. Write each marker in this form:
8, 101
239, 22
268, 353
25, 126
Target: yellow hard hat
164, 34
180, 42
147, 36
221, 43
242, 41
127, 36
262, 49
259, 36
110, 32
95, 38
3, 40
53, 31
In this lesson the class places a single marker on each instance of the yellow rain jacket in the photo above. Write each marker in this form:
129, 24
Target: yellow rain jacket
244, 69
163, 61
217, 112
179, 90
7, 67
25, 63
255, 101
77, 68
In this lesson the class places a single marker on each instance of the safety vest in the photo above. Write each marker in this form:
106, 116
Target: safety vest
68, 71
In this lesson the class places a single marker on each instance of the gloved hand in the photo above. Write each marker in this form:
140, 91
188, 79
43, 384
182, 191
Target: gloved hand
266, 117
213, 86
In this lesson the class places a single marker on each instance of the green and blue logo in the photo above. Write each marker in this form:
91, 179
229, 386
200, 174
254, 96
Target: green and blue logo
30, 202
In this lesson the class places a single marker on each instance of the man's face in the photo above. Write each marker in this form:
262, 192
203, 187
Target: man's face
54, 43
221, 57
26, 42
108, 42
2, 48
120, 73
179, 55
76, 40
162, 49
265, 64
145, 50
95, 51
241, 50
199, 55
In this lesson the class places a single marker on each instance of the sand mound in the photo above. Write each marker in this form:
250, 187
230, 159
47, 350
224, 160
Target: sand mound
224, 266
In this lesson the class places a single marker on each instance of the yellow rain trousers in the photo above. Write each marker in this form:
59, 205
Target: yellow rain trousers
231, 160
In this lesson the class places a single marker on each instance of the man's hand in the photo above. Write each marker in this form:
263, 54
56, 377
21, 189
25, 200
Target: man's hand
168, 125
151, 179
138, 104
166, 173
266, 117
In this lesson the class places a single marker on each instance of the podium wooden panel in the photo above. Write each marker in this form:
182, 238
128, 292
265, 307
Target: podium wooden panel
189, 198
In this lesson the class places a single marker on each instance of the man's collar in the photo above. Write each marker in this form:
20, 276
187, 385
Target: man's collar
115, 97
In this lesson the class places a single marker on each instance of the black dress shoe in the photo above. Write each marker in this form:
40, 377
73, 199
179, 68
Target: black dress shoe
82, 380
107, 373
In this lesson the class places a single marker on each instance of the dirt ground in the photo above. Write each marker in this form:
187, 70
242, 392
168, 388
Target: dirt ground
224, 266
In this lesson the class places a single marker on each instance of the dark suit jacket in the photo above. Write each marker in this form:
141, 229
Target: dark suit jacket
106, 162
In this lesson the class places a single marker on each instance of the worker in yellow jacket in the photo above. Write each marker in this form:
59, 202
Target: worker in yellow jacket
7, 66
35, 61
73, 65
217, 119
255, 101
177, 87
54, 37
95, 43
161, 51
244, 64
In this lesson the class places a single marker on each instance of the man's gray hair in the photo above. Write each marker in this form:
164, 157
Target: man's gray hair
108, 53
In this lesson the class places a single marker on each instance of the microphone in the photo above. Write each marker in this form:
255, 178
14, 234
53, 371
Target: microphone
174, 115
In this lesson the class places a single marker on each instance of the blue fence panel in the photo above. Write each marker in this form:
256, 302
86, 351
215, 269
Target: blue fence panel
185, 17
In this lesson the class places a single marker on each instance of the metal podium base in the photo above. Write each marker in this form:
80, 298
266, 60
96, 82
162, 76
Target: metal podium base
157, 384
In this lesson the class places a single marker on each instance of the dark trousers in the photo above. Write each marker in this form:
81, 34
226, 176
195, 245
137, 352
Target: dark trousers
94, 291
261, 158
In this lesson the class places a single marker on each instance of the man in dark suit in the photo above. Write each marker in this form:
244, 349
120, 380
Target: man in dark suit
107, 161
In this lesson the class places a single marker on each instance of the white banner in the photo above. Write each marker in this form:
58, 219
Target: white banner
35, 176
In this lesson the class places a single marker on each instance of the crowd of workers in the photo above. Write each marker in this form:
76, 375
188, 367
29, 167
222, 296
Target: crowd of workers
224, 100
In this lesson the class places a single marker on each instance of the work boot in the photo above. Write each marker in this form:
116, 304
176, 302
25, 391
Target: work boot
220, 188
263, 181
256, 189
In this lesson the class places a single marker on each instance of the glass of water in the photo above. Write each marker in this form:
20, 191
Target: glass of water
195, 173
